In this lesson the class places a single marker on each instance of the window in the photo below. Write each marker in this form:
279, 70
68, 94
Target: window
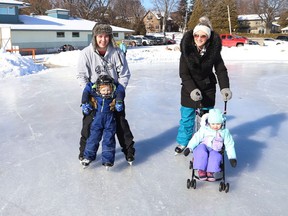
75, 34
60, 34
7, 10
116, 35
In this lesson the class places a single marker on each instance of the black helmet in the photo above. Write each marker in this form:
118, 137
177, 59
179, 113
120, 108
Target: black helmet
104, 80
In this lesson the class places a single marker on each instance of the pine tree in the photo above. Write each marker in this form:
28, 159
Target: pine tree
197, 12
219, 15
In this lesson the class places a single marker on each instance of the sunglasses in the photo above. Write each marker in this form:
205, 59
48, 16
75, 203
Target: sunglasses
201, 36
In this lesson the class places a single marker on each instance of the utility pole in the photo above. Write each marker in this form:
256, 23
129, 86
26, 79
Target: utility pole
229, 20
185, 22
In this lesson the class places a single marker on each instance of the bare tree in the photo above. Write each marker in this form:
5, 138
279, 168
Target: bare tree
38, 7
165, 7
267, 10
95, 10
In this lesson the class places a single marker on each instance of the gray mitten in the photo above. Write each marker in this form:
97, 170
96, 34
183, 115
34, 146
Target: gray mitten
226, 94
196, 95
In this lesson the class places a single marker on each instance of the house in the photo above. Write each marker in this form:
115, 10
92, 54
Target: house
284, 30
45, 33
252, 23
153, 22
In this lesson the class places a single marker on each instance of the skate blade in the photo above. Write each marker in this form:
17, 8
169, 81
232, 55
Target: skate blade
130, 163
84, 167
107, 168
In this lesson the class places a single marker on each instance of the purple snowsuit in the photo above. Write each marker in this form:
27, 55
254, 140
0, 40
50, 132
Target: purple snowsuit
206, 145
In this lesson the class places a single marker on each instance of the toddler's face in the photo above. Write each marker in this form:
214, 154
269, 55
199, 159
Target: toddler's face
105, 90
215, 126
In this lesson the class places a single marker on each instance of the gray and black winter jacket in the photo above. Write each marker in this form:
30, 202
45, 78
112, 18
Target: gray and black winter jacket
196, 71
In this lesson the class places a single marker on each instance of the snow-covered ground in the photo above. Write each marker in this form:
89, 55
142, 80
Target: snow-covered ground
40, 123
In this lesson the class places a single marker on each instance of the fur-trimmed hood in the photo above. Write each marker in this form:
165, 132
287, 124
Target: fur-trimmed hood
189, 49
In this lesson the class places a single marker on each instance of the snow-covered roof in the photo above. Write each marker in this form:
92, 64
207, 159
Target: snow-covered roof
248, 17
20, 4
48, 23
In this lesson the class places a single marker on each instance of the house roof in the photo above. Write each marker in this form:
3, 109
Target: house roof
20, 4
48, 23
249, 17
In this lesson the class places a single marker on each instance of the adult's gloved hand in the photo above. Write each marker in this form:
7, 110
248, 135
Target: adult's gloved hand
119, 106
86, 108
233, 162
187, 152
226, 94
196, 95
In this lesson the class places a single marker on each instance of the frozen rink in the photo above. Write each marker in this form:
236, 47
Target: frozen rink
40, 123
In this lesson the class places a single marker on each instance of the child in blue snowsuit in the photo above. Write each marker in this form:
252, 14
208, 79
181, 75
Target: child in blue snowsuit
207, 144
107, 96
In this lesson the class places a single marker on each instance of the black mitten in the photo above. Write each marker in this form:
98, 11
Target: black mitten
233, 162
186, 152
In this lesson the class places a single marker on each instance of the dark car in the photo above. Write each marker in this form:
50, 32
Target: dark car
252, 42
282, 37
170, 41
66, 47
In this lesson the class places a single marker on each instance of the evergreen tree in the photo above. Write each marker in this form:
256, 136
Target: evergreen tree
197, 12
219, 15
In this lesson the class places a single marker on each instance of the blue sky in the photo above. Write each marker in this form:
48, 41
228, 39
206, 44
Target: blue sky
147, 4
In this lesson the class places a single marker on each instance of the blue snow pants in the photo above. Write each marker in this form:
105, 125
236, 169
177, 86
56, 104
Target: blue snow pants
206, 159
187, 121
104, 124
186, 128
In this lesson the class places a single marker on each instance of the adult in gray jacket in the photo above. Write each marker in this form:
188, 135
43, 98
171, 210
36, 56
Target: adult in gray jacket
101, 57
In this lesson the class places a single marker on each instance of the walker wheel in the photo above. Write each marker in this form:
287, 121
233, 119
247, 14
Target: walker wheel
190, 165
221, 186
189, 183
193, 183
227, 188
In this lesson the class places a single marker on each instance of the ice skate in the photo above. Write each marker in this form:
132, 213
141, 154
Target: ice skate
107, 165
179, 149
130, 156
85, 163
130, 159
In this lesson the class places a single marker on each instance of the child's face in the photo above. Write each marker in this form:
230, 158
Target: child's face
105, 90
215, 126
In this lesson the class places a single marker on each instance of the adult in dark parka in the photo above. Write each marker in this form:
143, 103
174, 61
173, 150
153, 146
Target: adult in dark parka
200, 53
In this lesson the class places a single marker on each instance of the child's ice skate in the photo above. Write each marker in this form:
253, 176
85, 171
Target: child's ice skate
85, 163
179, 149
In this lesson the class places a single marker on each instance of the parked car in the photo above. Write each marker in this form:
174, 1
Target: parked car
252, 42
271, 42
66, 47
157, 41
282, 37
146, 41
170, 41
230, 40
132, 41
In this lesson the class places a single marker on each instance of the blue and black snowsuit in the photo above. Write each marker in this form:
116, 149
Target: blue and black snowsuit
104, 124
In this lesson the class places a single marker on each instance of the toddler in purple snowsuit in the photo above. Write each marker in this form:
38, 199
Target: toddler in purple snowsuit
207, 144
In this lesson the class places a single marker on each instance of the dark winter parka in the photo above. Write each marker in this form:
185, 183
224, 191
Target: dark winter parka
197, 71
